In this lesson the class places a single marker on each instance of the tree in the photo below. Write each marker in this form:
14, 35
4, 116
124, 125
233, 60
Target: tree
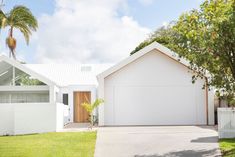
26, 80
206, 37
21, 18
90, 107
164, 35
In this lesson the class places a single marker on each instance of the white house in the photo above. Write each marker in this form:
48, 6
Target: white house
151, 87
154, 87
45, 106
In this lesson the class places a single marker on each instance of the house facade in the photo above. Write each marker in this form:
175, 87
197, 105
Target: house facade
154, 87
37, 98
27, 100
151, 87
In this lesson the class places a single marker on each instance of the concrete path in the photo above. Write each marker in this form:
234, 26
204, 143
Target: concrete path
78, 127
168, 141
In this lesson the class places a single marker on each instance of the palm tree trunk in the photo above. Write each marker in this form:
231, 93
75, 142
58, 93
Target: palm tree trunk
12, 51
11, 32
13, 54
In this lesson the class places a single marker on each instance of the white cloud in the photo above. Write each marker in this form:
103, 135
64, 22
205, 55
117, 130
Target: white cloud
87, 31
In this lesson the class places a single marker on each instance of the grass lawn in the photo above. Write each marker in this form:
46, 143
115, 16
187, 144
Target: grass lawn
227, 147
73, 144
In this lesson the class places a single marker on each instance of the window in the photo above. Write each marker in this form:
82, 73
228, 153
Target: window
14, 77
11, 76
65, 99
24, 97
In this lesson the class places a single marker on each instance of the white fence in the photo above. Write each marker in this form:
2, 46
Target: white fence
226, 122
28, 118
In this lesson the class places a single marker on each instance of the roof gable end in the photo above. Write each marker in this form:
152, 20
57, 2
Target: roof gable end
140, 53
25, 69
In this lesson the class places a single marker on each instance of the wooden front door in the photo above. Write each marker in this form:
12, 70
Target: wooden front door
80, 114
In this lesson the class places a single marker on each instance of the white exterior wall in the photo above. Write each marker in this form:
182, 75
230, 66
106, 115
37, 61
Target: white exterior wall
27, 118
60, 113
70, 91
34, 118
6, 119
147, 77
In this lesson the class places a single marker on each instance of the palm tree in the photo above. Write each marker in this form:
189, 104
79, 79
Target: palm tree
21, 18
90, 107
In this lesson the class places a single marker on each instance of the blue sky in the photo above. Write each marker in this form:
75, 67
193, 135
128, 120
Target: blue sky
154, 14
150, 15
134, 17
38, 7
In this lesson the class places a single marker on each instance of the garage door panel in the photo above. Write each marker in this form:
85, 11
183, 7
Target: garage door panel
154, 105
109, 105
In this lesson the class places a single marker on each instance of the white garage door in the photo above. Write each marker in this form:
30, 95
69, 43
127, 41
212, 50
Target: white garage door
159, 105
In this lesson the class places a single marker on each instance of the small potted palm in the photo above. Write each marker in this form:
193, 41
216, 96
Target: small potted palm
90, 108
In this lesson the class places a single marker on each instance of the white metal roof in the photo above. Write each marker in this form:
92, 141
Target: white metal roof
70, 74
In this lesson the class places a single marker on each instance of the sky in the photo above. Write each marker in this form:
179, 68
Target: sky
91, 31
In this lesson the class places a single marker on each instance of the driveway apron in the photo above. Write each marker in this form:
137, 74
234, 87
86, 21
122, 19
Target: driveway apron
157, 141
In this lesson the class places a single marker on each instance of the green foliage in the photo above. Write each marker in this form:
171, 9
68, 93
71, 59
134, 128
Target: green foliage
227, 147
90, 107
73, 144
25, 80
206, 37
163, 35
232, 102
21, 18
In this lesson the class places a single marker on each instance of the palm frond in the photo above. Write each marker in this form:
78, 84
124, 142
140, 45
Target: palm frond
3, 19
22, 18
97, 103
23, 14
24, 30
87, 107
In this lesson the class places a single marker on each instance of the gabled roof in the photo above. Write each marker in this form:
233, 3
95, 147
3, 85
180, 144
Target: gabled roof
70, 74
145, 50
25, 69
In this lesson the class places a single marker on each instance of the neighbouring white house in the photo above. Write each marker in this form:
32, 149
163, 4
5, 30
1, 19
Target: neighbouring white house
37, 98
151, 87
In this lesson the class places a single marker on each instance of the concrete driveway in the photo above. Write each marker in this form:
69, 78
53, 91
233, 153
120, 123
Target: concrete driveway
169, 141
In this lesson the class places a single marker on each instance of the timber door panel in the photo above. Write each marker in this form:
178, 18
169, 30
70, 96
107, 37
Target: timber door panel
80, 114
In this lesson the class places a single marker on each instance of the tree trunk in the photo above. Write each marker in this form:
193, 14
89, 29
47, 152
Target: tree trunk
13, 46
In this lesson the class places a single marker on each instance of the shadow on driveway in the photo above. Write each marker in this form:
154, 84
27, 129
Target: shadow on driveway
186, 153
210, 139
